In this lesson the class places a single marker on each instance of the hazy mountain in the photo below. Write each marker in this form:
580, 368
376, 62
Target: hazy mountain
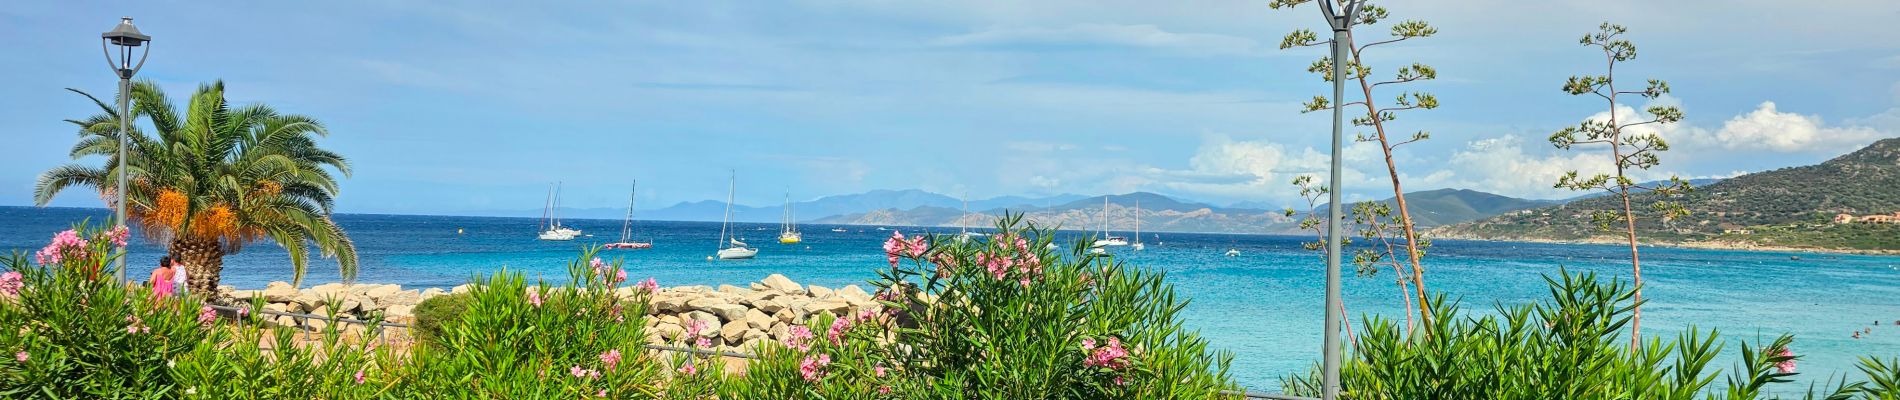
1692, 182
1450, 206
1158, 213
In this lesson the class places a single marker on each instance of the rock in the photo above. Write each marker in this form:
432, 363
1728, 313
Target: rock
669, 319
750, 346
758, 296
733, 331
316, 324
279, 292
756, 319
853, 294
780, 330
285, 321
331, 289
278, 307
760, 286
751, 335
837, 307
307, 301
768, 306
734, 290
406, 297
459, 289
819, 292
786, 316
704, 303
382, 292
671, 303
430, 293
710, 320
728, 312
782, 284
399, 312
669, 331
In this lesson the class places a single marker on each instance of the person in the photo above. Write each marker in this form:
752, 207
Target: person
178, 278
162, 277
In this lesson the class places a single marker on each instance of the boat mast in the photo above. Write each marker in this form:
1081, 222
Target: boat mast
547, 205
727, 220
1137, 220
556, 211
626, 226
963, 223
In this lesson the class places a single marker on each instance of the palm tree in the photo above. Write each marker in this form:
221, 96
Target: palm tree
213, 179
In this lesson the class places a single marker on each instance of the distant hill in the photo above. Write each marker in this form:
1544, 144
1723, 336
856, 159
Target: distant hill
712, 210
1450, 206
1788, 207
1692, 182
1158, 213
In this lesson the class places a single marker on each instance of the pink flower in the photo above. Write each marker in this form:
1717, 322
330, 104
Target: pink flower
534, 297
600, 267
66, 243
1120, 382
688, 369
698, 325
798, 337
879, 371
703, 342
245, 312
117, 235
610, 358
620, 275
838, 329
359, 377
10, 283
1786, 367
207, 315
577, 371
649, 285
136, 325
20, 356
601, 393
814, 368
894, 246
883, 390
1111, 356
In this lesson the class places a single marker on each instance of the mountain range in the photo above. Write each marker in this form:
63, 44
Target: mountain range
1789, 207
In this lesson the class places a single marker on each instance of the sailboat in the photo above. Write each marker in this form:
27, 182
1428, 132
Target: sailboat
788, 229
963, 224
731, 248
551, 228
1107, 240
626, 227
1138, 246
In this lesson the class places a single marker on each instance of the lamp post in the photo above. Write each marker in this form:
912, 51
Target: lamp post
1341, 22
124, 38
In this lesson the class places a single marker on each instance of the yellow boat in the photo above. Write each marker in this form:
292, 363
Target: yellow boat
788, 228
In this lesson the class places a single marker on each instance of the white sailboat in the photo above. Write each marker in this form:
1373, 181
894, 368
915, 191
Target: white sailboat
1138, 246
551, 228
1107, 240
626, 227
963, 223
732, 248
788, 228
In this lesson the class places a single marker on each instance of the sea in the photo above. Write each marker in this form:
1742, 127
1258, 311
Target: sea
1263, 306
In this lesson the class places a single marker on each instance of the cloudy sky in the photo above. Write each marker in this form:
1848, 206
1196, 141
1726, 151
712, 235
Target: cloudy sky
477, 107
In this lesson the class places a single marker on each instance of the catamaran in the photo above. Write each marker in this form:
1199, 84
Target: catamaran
1138, 246
551, 228
788, 228
626, 227
731, 248
1107, 240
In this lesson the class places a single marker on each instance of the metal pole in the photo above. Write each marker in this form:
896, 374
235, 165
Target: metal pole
125, 96
1342, 29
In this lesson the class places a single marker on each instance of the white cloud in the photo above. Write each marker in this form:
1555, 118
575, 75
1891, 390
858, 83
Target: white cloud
1769, 129
1141, 35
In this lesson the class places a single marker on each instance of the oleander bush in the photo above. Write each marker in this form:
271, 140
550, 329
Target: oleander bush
433, 312
1568, 347
1002, 317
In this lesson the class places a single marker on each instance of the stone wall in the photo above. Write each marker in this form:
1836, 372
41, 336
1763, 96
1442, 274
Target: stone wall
736, 318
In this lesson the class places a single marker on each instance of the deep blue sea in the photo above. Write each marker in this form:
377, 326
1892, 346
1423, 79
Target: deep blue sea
1263, 305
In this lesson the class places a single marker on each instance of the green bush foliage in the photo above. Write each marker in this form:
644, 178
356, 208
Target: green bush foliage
998, 318
431, 314
1569, 347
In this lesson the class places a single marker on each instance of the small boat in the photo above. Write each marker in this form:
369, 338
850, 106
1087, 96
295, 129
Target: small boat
551, 228
788, 228
1794, 258
882, 228
1051, 246
731, 248
1107, 240
626, 227
1233, 252
839, 230
1097, 250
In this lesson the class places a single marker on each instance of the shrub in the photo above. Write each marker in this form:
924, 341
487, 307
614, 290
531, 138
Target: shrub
431, 314
997, 318
1569, 347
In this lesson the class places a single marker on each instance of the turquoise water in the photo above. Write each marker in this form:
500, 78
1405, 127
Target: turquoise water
1264, 305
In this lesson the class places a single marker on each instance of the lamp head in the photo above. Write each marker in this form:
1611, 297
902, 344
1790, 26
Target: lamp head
125, 34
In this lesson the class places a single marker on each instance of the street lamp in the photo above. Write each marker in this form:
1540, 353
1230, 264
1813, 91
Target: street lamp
1342, 41
124, 37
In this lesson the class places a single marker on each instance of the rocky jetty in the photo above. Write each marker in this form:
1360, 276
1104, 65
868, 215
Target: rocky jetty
734, 318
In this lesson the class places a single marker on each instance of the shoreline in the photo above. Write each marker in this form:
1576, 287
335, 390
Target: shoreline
1710, 245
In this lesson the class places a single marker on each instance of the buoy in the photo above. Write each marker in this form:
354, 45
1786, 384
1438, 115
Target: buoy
458, 231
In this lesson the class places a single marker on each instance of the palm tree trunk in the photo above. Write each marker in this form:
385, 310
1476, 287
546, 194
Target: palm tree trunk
204, 262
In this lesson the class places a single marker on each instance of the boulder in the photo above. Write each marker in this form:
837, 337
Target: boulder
285, 321
786, 316
278, 307
751, 335
669, 331
782, 284
780, 330
768, 306
853, 294
758, 296
430, 293
734, 290
728, 312
711, 320
380, 292
703, 303
279, 292
819, 292
671, 303
733, 331
335, 289
837, 307
398, 312
459, 289
307, 301
406, 297
759, 320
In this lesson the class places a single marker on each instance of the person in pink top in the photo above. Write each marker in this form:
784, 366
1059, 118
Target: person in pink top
161, 281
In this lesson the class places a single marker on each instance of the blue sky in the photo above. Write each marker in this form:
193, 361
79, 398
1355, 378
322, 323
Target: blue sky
446, 108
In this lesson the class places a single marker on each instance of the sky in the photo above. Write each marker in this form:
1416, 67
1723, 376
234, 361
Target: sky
479, 106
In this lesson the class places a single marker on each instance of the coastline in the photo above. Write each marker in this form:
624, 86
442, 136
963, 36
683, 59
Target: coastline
1708, 245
